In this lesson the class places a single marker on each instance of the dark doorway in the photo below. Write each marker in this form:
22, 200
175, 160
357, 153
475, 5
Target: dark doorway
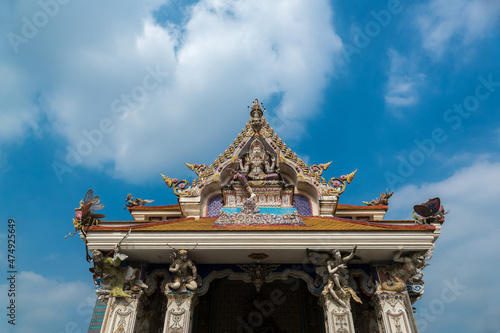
151, 312
280, 307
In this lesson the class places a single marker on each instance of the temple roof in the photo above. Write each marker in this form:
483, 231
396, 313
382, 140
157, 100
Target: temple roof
258, 127
313, 223
174, 207
356, 207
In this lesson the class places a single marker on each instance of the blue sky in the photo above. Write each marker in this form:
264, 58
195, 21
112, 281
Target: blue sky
108, 95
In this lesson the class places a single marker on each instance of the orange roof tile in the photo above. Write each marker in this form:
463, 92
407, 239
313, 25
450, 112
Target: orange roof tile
313, 223
354, 207
164, 208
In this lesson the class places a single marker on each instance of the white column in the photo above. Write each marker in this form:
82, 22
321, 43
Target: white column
179, 316
120, 314
394, 312
327, 205
338, 318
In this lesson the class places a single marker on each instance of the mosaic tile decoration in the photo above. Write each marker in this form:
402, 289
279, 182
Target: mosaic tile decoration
214, 205
302, 204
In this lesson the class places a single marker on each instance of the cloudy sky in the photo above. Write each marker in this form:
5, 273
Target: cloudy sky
109, 94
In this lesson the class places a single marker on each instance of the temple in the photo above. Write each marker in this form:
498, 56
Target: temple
258, 242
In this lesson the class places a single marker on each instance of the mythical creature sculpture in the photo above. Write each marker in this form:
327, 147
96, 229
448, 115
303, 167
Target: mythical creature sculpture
184, 273
338, 276
131, 202
430, 211
257, 164
84, 213
382, 200
250, 207
108, 274
258, 273
407, 267
332, 272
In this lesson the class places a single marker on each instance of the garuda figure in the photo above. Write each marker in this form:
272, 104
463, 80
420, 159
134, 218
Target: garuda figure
257, 164
184, 273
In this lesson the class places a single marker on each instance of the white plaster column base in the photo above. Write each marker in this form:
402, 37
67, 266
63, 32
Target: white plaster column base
179, 316
338, 319
327, 205
120, 315
190, 206
394, 312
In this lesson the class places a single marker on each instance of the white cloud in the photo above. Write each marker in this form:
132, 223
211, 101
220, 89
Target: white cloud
19, 112
403, 83
448, 24
47, 306
225, 54
467, 248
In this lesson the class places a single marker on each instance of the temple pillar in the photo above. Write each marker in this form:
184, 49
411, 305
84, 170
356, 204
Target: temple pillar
394, 312
121, 314
338, 318
179, 315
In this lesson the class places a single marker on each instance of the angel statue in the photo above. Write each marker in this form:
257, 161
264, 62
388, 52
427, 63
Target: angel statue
333, 273
184, 273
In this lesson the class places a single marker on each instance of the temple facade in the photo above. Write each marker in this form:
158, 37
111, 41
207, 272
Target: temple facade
258, 242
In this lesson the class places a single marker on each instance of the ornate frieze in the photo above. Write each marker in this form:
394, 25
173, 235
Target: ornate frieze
113, 279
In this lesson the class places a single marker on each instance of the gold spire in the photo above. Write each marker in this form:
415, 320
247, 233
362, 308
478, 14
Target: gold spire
256, 105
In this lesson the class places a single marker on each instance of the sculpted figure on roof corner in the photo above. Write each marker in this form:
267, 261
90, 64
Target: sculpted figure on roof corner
85, 215
131, 202
382, 200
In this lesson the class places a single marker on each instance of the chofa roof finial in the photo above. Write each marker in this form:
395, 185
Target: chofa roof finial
256, 116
